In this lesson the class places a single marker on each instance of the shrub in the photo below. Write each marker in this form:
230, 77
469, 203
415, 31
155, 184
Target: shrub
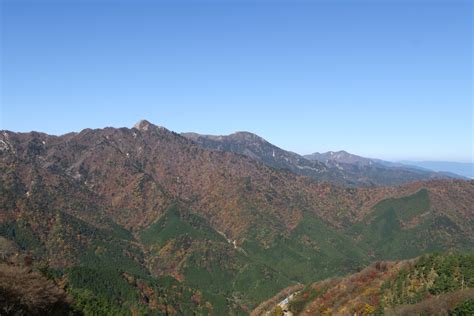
29, 293
465, 308
278, 311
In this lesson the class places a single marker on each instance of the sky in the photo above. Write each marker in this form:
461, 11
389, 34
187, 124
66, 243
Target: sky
389, 79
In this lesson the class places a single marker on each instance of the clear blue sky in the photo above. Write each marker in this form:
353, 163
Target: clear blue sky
388, 79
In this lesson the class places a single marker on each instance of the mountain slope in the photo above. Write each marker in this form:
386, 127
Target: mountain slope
343, 157
257, 148
336, 167
165, 220
431, 284
375, 170
404, 227
28, 293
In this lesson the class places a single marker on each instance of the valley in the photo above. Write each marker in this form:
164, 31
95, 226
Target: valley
144, 220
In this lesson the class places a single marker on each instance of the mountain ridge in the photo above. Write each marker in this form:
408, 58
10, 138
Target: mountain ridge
449, 169
152, 204
338, 167
464, 169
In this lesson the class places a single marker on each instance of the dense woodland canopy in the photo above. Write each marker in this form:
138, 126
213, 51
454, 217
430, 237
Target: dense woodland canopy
145, 221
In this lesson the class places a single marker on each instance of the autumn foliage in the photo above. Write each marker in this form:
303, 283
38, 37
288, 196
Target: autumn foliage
431, 284
23, 292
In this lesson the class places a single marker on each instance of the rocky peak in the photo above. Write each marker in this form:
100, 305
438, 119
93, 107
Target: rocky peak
246, 136
143, 125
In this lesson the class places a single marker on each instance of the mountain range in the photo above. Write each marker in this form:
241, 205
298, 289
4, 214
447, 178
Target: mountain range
145, 220
465, 169
336, 167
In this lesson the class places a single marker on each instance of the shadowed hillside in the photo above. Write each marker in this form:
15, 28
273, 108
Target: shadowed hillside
23, 292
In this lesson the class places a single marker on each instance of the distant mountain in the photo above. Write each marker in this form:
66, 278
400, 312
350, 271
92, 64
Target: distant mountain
334, 158
428, 168
145, 221
464, 169
336, 167
257, 148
